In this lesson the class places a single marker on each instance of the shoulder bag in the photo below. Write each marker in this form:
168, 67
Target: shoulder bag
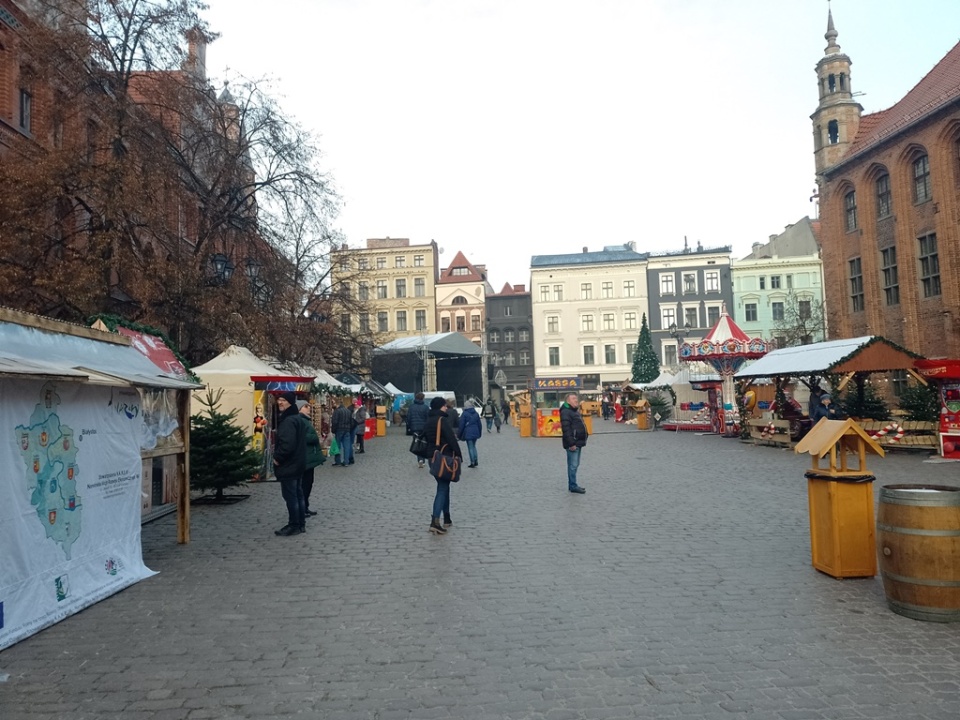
420, 446
444, 465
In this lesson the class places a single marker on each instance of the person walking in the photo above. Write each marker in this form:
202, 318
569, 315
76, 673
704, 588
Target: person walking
360, 416
314, 455
452, 413
470, 430
341, 424
290, 462
488, 412
417, 415
496, 418
441, 501
574, 438
505, 409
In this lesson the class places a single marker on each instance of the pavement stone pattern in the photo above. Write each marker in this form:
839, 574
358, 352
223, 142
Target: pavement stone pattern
679, 586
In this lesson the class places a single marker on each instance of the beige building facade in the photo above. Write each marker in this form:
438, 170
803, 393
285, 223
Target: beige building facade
392, 284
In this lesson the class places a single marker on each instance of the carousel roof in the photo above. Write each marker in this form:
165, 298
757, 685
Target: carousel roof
725, 340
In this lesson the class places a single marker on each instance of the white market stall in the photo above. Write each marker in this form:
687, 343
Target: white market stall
73, 402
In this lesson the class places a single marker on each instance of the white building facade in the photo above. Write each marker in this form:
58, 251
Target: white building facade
586, 311
778, 288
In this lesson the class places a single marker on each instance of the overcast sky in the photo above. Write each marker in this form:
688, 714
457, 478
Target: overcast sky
511, 128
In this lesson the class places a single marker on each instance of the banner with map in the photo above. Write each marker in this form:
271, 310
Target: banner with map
69, 500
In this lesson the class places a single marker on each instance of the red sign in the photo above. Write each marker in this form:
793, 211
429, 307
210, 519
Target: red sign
939, 369
156, 351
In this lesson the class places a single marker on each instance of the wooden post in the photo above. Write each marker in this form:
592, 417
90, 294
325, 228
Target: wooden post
183, 470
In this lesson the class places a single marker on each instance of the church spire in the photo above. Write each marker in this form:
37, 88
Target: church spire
837, 117
831, 35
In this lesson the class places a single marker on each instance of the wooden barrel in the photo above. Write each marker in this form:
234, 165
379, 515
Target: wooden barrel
918, 544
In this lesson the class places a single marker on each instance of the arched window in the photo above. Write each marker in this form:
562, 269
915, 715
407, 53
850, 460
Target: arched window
833, 132
459, 300
921, 179
850, 210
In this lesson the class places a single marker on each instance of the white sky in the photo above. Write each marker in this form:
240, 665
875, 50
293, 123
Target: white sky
511, 128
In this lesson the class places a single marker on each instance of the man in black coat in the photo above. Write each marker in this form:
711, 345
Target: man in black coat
290, 462
574, 438
417, 418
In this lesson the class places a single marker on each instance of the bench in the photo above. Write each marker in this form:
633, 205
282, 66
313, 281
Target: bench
917, 434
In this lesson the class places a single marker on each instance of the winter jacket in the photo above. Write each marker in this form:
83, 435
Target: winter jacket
314, 453
290, 451
360, 416
489, 411
471, 428
574, 429
830, 412
447, 436
342, 420
454, 417
417, 415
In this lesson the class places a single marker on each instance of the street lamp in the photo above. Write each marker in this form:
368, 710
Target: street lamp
222, 267
678, 334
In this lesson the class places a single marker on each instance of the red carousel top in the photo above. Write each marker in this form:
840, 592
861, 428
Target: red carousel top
725, 339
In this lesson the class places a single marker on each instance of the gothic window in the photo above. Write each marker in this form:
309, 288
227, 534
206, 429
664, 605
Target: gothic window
833, 132
856, 285
850, 210
921, 179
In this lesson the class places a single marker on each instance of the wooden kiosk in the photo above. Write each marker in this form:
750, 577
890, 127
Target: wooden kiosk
841, 499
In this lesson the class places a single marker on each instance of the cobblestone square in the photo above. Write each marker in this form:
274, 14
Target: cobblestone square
678, 586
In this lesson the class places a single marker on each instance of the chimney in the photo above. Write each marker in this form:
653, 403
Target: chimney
773, 237
519, 288
756, 247
585, 248
196, 60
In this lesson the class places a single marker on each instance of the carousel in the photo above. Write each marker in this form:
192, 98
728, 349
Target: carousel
725, 348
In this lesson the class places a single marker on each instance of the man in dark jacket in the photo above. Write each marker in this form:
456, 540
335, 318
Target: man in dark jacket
341, 424
574, 438
290, 462
417, 418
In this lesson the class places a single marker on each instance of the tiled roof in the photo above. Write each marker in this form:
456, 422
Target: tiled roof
459, 261
940, 87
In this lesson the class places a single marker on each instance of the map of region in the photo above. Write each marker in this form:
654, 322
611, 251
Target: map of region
50, 454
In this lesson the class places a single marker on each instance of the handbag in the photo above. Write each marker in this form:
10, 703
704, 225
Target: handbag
420, 446
442, 465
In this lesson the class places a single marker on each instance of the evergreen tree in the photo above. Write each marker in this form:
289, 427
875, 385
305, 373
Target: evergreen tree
220, 456
646, 364
863, 402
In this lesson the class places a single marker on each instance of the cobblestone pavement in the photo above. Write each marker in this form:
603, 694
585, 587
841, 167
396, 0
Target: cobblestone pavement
679, 586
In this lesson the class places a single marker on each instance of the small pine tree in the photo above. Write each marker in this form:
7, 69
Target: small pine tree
646, 364
921, 402
660, 405
866, 406
220, 456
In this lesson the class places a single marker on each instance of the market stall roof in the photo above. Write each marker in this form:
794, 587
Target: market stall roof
237, 360
32, 346
870, 353
451, 343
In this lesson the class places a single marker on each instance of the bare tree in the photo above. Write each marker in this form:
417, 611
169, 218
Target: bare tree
803, 321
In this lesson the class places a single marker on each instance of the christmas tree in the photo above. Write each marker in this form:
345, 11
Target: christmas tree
219, 452
646, 364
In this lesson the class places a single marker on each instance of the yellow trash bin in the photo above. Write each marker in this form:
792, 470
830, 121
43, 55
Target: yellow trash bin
524, 427
588, 421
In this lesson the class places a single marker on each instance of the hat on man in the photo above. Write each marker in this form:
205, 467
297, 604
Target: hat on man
290, 397
825, 396
301, 404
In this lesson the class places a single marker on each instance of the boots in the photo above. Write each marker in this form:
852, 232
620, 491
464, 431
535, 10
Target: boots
436, 528
447, 520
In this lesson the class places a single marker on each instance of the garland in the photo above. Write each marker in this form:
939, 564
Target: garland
668, 388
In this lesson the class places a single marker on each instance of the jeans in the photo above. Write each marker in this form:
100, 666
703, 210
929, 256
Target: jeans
441, 502
345, 441
472, 451
573, 462
489, 424
292, 490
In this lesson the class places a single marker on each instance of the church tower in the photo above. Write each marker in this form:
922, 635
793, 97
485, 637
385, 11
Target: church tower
837, 118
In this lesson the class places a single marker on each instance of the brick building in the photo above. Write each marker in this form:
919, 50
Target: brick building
889, 187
